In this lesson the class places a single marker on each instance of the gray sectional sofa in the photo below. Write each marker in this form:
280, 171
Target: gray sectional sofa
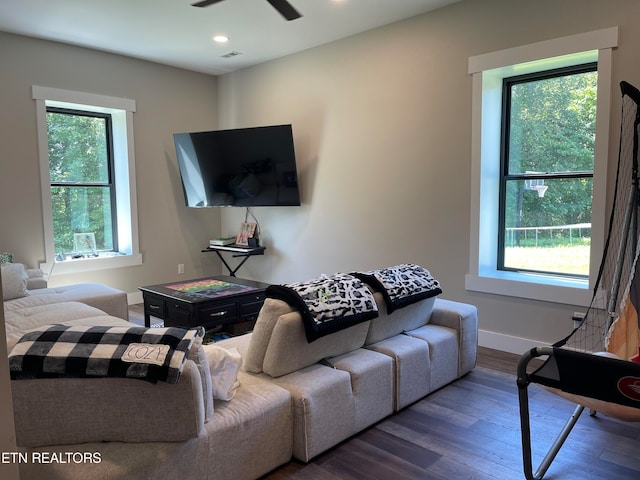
349, 380
295, 399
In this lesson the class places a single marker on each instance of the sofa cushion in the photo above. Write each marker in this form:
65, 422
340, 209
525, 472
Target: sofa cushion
251, 434
62, 411
19, 319
443, 352
404, 319
271, 310
323, 408
289, 351
412, 367
372, 384
14, 281
36, 279
103, 297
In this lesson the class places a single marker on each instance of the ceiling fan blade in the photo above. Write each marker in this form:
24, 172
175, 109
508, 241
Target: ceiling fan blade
205, 3
285, 9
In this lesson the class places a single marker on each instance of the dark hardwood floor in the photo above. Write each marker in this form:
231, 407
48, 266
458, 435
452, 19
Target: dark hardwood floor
470, 429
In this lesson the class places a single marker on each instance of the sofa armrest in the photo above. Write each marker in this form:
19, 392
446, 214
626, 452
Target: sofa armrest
65, 411
463, 318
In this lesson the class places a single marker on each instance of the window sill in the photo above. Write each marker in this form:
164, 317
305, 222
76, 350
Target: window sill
532, 286
79, 265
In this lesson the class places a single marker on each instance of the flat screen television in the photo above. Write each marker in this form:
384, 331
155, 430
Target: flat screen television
244, 167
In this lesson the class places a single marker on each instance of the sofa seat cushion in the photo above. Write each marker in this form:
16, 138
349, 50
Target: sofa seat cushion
324, 408
371, 375
19, 320
251, 434
412, 367
242, 343
443, 353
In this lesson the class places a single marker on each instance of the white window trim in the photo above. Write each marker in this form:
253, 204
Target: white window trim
488, 70
122, 121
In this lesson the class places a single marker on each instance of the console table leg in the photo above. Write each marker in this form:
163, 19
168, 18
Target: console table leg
231, 272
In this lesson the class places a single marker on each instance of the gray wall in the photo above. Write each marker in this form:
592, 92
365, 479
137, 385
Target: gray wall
167, 99
382, 122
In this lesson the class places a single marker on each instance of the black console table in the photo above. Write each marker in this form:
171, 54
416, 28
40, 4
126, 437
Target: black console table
236, 251
213, 302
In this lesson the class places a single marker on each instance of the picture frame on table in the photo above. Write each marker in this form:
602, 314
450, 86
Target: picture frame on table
246, 232
84, 243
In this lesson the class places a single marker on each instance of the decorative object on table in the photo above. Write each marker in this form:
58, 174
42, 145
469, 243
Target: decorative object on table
209, 288
84, 243
247, 229
222, 241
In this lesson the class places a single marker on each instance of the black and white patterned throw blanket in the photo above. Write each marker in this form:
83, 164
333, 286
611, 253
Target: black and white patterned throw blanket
401, 285
328, 304
152, 354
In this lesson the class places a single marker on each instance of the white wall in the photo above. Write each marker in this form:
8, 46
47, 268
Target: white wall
382, 126
168, 100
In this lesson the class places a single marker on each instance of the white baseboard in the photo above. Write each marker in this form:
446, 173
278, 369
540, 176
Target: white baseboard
507, 343
133, 298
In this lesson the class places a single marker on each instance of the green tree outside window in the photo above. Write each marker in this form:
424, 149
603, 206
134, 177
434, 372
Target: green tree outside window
80, 169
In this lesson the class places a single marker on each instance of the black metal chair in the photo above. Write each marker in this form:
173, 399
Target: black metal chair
601, 383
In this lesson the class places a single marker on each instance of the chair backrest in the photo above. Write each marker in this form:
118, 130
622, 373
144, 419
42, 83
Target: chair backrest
591, 375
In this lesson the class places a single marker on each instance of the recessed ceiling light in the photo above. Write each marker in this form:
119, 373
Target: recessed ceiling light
221, 39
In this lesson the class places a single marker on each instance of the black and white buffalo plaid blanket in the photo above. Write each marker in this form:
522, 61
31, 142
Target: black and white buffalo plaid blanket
153, 354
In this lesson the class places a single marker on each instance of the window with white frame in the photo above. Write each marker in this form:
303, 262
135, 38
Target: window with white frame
539, 184
88, 183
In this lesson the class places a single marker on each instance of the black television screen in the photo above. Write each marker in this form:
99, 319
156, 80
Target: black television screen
242, 167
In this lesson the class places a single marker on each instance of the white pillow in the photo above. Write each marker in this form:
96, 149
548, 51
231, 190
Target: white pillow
14, 281
224, 364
